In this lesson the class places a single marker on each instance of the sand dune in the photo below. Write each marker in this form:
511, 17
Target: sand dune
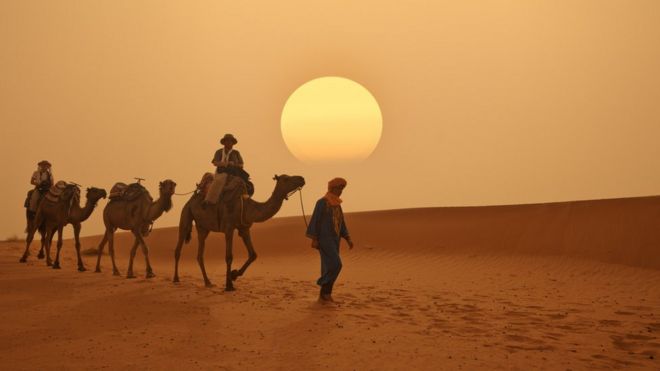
620, 231
550, 286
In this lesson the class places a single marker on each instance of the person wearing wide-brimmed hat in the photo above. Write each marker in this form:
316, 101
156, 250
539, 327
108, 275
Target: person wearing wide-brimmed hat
227, 160
42, 179
326, 229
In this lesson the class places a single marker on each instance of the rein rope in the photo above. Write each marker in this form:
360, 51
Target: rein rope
185, 194
302, 207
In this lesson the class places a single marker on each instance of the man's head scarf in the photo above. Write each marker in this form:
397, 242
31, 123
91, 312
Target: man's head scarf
332, 198
337, 182
334, 202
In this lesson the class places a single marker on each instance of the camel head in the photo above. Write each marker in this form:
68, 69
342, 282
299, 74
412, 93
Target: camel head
287, 184
167, 188
95, 194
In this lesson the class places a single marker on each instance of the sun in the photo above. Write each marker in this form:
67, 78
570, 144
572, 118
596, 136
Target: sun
331, 119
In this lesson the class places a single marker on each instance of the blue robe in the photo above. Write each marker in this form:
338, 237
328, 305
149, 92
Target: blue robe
326, 221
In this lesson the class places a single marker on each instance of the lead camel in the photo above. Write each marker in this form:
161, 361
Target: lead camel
236, 212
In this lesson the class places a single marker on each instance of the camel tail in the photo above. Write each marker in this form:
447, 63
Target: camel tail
186, 224
188, 236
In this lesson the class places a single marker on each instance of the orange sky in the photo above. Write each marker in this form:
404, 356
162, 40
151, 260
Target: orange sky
482, 102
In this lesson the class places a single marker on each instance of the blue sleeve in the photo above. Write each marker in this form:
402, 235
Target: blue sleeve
313, 229
343, 232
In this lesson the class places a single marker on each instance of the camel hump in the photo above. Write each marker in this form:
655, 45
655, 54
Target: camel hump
56, 191
236, 184
127, 192
232, 184
236, 188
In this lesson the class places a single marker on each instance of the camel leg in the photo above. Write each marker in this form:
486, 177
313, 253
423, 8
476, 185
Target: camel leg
252, 255
42, 232
201, 235
49, 240
130, 274
76, 235
177, 255
145, 251
229, 257
59, 247
43, 244
111, 247
100, 249
28, 241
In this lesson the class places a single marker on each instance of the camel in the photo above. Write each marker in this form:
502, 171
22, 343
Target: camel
54, 216
236, 211
135, 215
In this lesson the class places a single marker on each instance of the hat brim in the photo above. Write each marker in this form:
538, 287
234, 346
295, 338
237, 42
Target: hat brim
223, 140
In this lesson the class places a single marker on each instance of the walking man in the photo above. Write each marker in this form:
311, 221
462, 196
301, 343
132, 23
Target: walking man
326, 228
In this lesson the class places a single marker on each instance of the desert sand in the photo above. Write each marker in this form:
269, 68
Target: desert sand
571, 285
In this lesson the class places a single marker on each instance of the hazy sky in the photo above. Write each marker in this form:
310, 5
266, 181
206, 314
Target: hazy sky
482, 102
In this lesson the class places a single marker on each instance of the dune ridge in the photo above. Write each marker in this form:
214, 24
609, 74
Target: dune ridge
618, 231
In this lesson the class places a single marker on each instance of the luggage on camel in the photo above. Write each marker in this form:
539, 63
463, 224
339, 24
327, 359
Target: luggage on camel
58, 188
127, 192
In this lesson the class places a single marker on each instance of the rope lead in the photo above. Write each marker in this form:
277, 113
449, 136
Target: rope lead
302, 207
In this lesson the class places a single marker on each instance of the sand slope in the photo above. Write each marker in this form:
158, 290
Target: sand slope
553, 286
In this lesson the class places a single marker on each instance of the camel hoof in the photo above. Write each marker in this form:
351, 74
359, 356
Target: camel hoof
230, 288
82, 269
130, 275
22, 260
116, 273
209, 284
41, 255
175, 280
234, 275
57, 266
150, 275
97, 270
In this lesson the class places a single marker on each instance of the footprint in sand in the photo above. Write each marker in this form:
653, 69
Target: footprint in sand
624, 313
640, 344
610, 322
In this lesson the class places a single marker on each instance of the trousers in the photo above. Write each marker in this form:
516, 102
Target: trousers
34, 200
216, 187
330, 263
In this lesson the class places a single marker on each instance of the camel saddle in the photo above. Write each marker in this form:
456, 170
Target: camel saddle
204, 184
127, 192
58, 188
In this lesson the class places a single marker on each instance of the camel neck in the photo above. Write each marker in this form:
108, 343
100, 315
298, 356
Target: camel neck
80, 214
156, 209
87, 210
256, 212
